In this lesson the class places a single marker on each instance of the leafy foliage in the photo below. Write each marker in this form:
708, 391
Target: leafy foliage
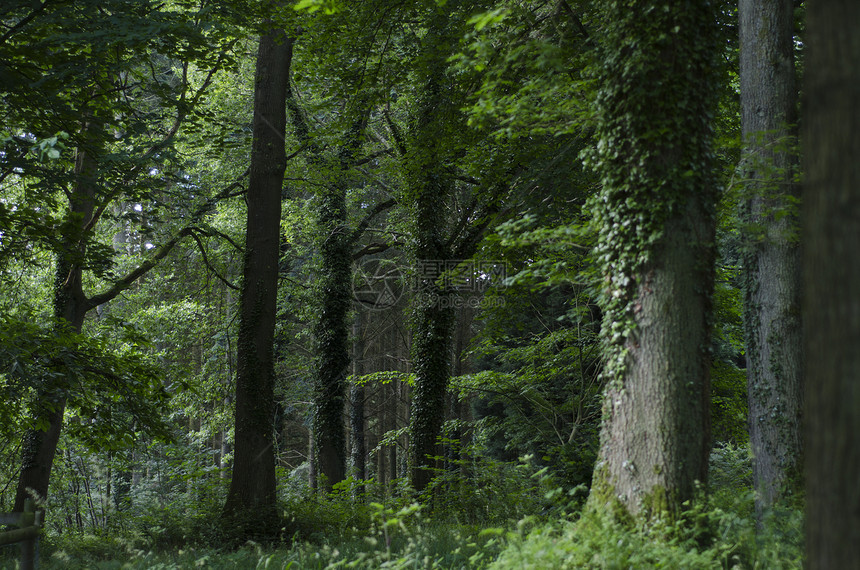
109, 384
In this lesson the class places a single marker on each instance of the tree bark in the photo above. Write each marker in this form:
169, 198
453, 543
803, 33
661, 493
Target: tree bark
433, 319
358, 449
774, 354
332, 329
831, 312
655, 442
70, 309
332, 338
656, 248
252, 495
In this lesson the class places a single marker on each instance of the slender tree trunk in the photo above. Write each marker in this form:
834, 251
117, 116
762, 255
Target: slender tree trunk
312, 461
252, 494
70, 309
358, 451
332, 338
392, 425
656, 247
332, 329
831, 313
431, 349
774, 354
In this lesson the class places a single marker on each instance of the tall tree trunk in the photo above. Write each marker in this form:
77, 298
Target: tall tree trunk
332, 329
831, 313
431, 356
433, 319
70, 309
358, 451
332, 339
656, 248
252, 494
774, 354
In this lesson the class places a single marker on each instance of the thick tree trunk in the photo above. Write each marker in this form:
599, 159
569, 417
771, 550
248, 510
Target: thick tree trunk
831, 313
433, 319
656, 247
774, 355
70, 309
252, 495
655, 442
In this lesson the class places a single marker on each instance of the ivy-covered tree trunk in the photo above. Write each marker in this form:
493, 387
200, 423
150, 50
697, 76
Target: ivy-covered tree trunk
252, 495
831, 311
70, 309
655, 216
332, 337
431, 349
332, 329
433, 315
774, 355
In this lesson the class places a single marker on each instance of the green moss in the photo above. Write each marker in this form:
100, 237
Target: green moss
604, 500
658, 505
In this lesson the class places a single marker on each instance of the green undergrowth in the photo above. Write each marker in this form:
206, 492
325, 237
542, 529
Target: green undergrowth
395, 538
717, 531
341, 532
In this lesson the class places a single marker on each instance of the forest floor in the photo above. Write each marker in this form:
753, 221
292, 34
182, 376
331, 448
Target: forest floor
724, 539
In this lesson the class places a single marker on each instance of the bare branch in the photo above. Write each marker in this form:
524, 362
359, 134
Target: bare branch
202, 249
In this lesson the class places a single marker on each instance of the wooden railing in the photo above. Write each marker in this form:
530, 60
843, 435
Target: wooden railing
29, 524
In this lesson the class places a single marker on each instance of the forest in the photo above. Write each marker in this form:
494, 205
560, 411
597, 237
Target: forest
431, 283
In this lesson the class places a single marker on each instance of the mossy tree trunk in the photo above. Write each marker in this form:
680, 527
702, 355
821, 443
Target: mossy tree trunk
774, 355
655, 216
433, 314
438, 135
831, 312
332, 338
332, 328
252, 494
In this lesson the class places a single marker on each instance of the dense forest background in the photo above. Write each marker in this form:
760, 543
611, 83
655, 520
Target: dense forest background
428, 283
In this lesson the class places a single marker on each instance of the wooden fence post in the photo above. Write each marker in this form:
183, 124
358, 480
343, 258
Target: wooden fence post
28, 546
29, 522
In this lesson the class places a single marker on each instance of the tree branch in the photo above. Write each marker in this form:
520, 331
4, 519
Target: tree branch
368, 158
399, 141
182, 113
24, 21
365, 223
370, 249
141, 270
209, 265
